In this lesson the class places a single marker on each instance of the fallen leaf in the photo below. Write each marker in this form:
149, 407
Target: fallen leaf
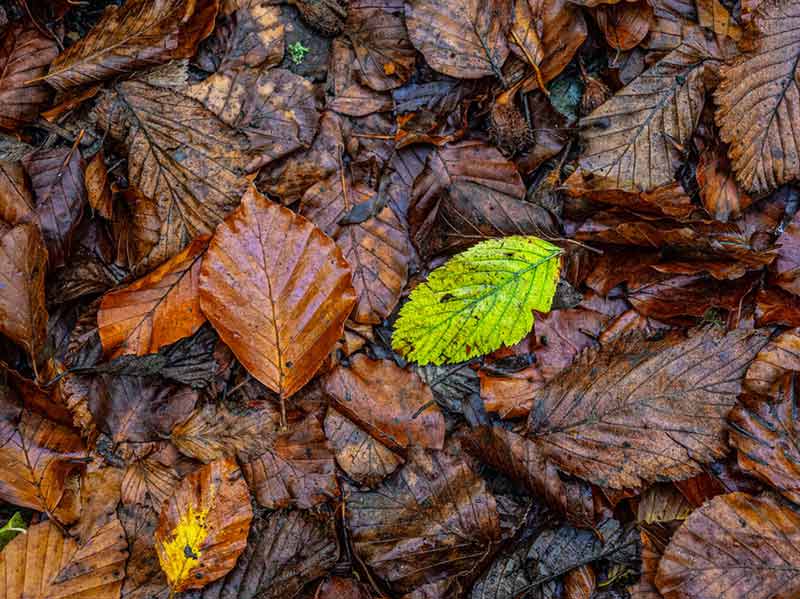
150, 477
342, 588
263, 255
202, 529
786, 268
98, 189
156, 310
736, 544
776, 359
775, 306
461, 38
430, 522
757, 94
662, 502
719, 191
16, 196
140, 34
624, 24
665, 420
25, 54
43, 564
144, 579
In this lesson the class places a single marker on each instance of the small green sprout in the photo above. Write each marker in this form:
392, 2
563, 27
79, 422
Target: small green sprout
297, 52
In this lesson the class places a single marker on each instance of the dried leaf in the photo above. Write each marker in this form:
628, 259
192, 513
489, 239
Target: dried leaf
431, 522
462, 38
666, 417
203, 527
98, 189
624, 24
786, 267
25, 54
44, 564
150, 479
756, 100
140, 34
16, 196
735, 545
156, 310
721, 196
264, 256
776, 359
663, 503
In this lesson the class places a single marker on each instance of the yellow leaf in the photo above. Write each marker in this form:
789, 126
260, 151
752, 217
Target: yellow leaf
181, 554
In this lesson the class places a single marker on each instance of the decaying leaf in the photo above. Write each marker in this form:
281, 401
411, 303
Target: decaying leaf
478, 301
776, 359
758, 99
719, 191
666, 417
624, 24
203, 527
140, 34
156, 310
16, 196
736, 545
261, 261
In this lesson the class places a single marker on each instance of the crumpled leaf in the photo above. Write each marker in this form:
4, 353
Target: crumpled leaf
735, 545
285, 551
757, 97
462, 38
479, 300
429, 523
202, 529
44, 564
261, 259
631, 139
156, 310
25, 54
140, 34
666, 417
719, 191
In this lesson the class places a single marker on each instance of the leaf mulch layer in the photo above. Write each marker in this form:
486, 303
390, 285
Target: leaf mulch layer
213, 214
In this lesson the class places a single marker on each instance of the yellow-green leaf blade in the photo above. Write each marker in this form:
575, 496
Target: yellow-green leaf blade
478, 301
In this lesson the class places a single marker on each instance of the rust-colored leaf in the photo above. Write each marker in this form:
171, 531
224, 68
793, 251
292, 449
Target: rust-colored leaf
259, 264
140, 34
462, 38
624, 24
203, 527
44, 564
156, 310
429, 523
736, 545
719, 191
16, 196
756, 100
98, 189
25, 54
666, 417
779, 357
376, 247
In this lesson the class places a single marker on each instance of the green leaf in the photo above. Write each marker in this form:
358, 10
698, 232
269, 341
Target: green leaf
11, 529
479, 300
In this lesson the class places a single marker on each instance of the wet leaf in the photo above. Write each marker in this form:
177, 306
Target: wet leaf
786, 267
624, 24
462, 38
474, 303
140, 34
263, 255
757, 94
776, 359
203, 527
25, 54
666, 418
736, 544
156, 310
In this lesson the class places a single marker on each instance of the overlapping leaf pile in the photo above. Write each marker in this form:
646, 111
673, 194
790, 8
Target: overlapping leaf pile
225, 363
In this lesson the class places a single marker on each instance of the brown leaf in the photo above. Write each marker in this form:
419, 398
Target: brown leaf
766, 438
275, 109
775, 306
756, 97
156, 310
580, 583
719, 192
666, 417
735, 545
285, 551
138, 409
98, 189
377, 33
144, 578
40, 462
462, 38
776, 359
138, 35
202, 529
430, 522
662, 502
624, 24
631, 139
390, 403
150, 477
57, 181
376, 248
23, 316
250, 35
298, 469
786, 268
342, 588
44, 564
260, 261
188, 178
16, 197
25, 54
100, 495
